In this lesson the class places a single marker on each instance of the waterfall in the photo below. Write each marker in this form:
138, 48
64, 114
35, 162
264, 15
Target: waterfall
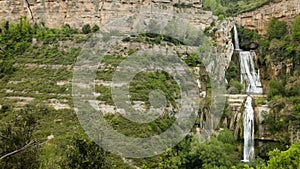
249, 76
248, 130
236, 38
251, 79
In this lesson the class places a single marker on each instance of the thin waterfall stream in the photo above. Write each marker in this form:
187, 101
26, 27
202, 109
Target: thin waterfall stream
251, 79
236, 38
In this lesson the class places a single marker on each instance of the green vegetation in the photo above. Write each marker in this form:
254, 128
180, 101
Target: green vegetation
219, 152
235, 87
275, 88
84, 153
285, 159
289, 159
182, 5
153, 38
17, 134
34, 60
232, 71
95, 28
232, 7
37, 70
276, 29
86, 29
232, 76
296, 29
129, 128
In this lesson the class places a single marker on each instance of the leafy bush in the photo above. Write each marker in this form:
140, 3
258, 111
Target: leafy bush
276, 29
226, 137
289, 159
16, 38
86, 29
85, 153
95, 28
214, 154
235, 87
232, 71
193, 60
275, 88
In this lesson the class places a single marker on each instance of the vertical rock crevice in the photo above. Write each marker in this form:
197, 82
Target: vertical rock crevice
100, 11
29, 9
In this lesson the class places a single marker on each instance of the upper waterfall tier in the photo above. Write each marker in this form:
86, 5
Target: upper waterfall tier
236, 38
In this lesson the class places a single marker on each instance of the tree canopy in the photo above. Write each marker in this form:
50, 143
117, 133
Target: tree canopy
276, 29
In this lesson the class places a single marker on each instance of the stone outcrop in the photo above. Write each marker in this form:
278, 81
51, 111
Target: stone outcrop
284, 10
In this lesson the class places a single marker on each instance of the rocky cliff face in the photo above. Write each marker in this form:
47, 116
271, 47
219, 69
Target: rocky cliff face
76, 13
284, 10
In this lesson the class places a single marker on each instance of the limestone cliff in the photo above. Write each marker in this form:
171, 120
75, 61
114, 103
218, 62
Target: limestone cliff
76, 13
284, 10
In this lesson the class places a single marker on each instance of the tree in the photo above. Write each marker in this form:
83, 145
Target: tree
276, 29
214, 153
226, 137
296, 29
18, 149
275, 88
289, 159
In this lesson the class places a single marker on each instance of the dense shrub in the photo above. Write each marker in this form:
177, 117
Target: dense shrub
84, 153
86, 29
235, 87
232, 71
276, 29
16, 134
275, 88
95, 28
289, 159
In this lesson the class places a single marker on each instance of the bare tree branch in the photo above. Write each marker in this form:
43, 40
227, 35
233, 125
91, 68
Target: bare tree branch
16, 151
30, 144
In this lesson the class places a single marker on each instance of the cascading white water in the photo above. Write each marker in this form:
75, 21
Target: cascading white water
249, 76
248, 130
236, 38
251, 79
